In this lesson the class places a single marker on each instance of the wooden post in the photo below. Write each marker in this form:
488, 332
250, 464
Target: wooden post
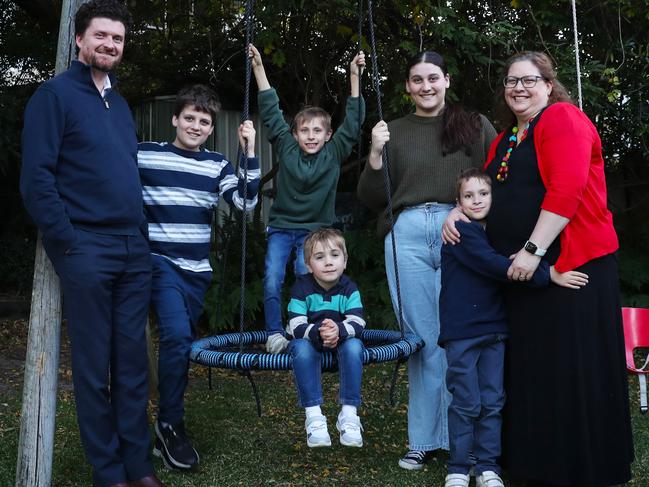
37, 421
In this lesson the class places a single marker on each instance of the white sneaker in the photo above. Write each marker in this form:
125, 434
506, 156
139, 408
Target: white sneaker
489, 478
316, 431
350, 429
276, 343
457, 480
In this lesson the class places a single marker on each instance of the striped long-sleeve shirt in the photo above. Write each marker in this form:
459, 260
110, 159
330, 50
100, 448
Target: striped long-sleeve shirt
180, 189
310, 304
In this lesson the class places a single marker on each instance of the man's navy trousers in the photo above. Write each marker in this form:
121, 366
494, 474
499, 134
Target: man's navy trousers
106, 281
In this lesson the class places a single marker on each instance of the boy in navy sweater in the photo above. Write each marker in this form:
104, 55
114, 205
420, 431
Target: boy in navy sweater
181, 185
325, 312
473, 327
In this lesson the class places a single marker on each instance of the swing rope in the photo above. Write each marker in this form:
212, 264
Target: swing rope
359, 150
388, 192
386, 166
243, 163
576, 33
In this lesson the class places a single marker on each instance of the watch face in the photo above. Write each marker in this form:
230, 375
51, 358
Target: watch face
530, 247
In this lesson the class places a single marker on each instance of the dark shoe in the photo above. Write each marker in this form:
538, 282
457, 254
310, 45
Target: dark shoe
415, 459
119, 484
173, 446
150, 481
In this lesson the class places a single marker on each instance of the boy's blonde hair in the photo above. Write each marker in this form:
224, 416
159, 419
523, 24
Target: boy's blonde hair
472, 172
334, 238
309, 113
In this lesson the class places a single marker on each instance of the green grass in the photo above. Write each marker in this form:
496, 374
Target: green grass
240, 449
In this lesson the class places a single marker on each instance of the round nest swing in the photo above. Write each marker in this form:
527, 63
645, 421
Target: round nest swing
224, 351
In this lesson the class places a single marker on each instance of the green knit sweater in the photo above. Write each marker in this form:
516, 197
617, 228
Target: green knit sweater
306, 184
419, 171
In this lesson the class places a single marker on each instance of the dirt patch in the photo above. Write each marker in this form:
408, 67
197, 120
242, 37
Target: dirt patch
13, 347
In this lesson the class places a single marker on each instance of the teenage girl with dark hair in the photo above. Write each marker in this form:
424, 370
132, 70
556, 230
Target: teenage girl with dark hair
427, 151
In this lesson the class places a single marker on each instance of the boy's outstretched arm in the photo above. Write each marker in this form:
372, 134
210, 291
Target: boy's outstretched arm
355, 71
258, 69
571, 279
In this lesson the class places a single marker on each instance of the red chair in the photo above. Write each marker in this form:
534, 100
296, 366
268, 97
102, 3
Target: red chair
636, 335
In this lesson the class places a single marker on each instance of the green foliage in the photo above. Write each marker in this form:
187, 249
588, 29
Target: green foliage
16, 265
222, 301
307, 45
366, 266
634, 260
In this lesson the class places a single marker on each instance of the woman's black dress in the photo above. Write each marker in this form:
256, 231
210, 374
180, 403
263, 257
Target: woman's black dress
566, 419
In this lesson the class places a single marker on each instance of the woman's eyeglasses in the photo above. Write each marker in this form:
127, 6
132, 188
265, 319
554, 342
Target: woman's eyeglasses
526, 81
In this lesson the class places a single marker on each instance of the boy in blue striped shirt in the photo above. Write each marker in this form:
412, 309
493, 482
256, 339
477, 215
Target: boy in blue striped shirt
181, 184
326, 313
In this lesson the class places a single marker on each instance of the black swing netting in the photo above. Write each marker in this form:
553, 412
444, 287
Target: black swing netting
225, 351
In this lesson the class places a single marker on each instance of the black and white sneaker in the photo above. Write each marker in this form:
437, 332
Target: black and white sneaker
415, 459
173, 446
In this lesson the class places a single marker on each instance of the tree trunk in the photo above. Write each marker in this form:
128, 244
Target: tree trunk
37, 421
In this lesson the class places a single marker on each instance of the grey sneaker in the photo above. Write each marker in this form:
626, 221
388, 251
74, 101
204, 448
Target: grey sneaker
457, 480
316, 432
350, 429
276, 343
489, 479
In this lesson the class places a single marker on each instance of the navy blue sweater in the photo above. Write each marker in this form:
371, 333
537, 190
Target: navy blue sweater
471, 301
80, 160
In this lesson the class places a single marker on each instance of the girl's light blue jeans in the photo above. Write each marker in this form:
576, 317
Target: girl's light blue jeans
418, 239
307, 371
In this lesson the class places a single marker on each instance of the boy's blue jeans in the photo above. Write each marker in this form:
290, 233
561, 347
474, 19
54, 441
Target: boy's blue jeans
280, 243
475, 378
307, 371
177, 297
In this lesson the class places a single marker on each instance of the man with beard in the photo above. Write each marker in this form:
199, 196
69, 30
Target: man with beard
80, 184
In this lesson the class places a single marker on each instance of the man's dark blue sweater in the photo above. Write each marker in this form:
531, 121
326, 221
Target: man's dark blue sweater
473, 273
81, 168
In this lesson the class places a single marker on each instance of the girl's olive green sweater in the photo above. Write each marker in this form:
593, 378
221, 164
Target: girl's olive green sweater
420, 171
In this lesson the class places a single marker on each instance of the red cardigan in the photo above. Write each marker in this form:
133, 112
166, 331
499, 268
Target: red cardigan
569, 154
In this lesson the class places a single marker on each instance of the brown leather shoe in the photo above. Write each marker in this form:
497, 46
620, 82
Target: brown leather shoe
150, 481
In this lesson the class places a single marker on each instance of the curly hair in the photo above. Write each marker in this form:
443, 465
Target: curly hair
110, 9
546, 68
200, 97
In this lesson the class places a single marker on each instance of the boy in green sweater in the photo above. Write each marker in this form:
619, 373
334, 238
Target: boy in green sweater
309, 160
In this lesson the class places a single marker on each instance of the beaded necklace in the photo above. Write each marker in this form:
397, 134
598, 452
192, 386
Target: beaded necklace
501, 176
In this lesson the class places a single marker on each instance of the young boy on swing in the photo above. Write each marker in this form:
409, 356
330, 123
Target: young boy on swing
182, 183
309, 159
473, 327
326, 313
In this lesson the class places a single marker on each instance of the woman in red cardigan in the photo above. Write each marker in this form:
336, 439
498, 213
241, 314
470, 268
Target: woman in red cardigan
566, 420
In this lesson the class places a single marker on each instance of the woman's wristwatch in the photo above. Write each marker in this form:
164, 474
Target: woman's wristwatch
533, 249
